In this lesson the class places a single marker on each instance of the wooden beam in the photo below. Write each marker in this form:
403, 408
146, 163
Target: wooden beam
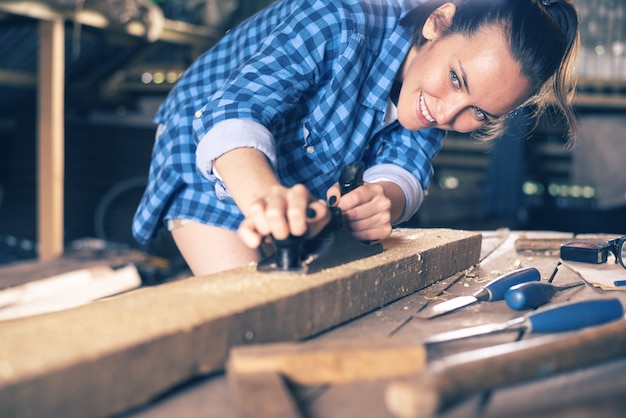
106, 357
256, 373
51, 138
330, 362
66, 290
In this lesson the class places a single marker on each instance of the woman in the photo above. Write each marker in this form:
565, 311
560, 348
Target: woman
259, 128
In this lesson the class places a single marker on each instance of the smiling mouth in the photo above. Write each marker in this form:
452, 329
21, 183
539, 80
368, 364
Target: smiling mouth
424, 110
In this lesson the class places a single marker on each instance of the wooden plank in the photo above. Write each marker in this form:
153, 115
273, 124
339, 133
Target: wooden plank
111, 355
23, 272
51, 138
330, 362
66, 290
255, 372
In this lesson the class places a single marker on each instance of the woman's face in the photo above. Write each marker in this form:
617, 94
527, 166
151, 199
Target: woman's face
459, 83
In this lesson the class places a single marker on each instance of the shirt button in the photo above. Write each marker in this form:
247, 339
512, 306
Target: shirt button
310, 149
198, 113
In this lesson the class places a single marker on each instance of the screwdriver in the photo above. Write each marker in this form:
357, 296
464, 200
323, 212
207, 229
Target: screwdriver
558, 318
533, 294
492, 291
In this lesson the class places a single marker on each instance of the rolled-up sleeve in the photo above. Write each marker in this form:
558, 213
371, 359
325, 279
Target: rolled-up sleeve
241, 133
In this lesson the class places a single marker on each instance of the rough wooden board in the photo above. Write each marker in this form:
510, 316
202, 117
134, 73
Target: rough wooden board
108, 356
21, 272
330, 362
66, 291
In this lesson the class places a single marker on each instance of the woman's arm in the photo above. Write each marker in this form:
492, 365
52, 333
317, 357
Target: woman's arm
269, 207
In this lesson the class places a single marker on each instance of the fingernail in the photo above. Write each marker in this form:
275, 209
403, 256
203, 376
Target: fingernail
332, 201
310, 213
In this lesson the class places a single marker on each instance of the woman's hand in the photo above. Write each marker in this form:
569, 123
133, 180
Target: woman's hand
282, 212
370, 209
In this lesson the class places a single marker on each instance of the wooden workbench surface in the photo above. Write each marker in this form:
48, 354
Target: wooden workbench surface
589, 392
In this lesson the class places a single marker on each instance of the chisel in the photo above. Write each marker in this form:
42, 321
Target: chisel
533, 294
449, 380
493, 291
558, 318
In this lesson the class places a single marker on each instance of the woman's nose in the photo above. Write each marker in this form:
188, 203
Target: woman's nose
448, 111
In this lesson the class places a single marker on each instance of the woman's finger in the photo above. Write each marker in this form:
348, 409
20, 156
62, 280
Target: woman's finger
298, 200
249, 234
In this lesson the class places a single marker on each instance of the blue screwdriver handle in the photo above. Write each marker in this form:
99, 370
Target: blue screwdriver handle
496, 289
575, 315
529, 295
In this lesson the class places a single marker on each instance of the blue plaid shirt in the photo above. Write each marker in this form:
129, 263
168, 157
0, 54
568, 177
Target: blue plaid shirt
316, 74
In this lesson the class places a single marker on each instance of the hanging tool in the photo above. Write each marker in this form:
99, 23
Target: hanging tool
533, 294
333, 246
493, 291
558, 318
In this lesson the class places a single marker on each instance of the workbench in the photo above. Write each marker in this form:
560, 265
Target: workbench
158, 348
589, 392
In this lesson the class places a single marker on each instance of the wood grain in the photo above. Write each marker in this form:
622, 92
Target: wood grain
331, 362
106, 357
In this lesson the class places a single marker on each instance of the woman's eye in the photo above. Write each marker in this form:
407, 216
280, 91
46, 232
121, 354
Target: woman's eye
455, 79
480, 115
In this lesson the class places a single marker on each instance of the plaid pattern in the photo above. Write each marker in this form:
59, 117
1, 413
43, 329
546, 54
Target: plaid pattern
317, 74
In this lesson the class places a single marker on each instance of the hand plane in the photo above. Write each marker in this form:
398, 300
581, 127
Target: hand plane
333, 246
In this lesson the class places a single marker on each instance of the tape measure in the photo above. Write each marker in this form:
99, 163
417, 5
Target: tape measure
592, 252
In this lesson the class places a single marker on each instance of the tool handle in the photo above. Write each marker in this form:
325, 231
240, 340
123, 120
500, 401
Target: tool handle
351, 177
575, 315
496, 289
529, 295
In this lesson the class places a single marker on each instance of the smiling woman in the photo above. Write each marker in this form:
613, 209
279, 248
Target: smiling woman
436, 90
258, 129
539, 38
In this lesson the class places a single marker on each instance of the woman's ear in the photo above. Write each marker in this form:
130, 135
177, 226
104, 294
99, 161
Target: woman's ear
439, 21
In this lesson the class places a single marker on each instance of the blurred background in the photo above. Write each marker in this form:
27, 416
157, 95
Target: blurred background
117, 75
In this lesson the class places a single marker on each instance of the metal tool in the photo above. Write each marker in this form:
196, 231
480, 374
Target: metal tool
533, 294
455, 377
558, 318
493, 291
333, 246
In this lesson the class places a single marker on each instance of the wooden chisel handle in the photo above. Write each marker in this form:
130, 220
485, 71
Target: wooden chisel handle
456, 377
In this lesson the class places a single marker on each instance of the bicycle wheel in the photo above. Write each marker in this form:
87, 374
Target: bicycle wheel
114, 214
